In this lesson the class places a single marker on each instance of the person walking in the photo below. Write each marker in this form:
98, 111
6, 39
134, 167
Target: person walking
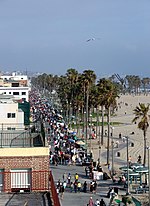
79, 186
91, 187
91, 203
94, 186
102, 203
61, 191
65, 177
85, 187
76, 176
71, 186
69, 179
97, 203
75, 186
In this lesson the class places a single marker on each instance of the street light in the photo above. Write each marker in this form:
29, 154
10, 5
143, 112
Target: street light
112, 149
90, 136
148, 148
128, 189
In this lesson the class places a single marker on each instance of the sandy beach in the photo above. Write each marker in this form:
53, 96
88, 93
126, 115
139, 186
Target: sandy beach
124, 115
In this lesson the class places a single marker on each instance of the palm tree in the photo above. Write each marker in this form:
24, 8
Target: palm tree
141, 112
88, 78
108, 94
145, 82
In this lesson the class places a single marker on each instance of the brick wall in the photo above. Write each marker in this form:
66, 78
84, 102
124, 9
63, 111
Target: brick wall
39, 166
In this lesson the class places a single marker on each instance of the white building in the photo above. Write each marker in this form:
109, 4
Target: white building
10, 116
14, 76
16, 85
19, 93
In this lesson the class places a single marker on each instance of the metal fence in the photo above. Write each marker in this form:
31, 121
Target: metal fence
15, 135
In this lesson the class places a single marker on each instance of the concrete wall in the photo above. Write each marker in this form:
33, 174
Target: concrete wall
10, 108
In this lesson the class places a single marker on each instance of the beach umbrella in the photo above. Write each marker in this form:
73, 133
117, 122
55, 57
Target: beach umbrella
71, 140
79, 142
74, 133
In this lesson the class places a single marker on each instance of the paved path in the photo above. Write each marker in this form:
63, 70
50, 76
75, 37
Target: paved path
79, 199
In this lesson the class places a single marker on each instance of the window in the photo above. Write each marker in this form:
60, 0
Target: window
23, 93
15, 93
9, 92
11, 115
8, 115
11, 128
4, 92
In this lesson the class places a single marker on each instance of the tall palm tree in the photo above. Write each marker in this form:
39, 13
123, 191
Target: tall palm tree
145, 82
141, 114
108, 94
89, 78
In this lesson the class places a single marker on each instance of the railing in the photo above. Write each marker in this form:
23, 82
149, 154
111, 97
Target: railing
54, 194
14, 135
13, 126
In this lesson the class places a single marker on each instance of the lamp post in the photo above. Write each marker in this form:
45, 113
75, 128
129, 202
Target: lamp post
112, 150
99, 134
148, 148
90, 131
128, 189
84, 123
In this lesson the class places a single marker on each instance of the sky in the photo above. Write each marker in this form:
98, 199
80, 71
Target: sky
51, 36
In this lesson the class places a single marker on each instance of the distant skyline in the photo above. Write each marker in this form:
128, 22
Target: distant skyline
52, 36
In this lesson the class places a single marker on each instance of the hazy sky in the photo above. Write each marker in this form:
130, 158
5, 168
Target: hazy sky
50, 36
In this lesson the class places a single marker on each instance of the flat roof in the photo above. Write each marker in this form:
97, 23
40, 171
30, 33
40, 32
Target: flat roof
26, 152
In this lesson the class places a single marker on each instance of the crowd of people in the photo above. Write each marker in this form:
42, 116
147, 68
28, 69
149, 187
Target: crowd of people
64, 149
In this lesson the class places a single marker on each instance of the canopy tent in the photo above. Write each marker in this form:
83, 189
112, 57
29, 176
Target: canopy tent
125, 168
136, 165
142, 170
79, 142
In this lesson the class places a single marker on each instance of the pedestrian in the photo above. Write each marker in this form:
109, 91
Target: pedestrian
109, 169
102, 203
97, 203
65, 185
79, 186
87, 171
85, 187
91, 203
94, 186
61, 191
57, 190
71, 186
91, 187
75, 186
64, 176
69, 178
76, 176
